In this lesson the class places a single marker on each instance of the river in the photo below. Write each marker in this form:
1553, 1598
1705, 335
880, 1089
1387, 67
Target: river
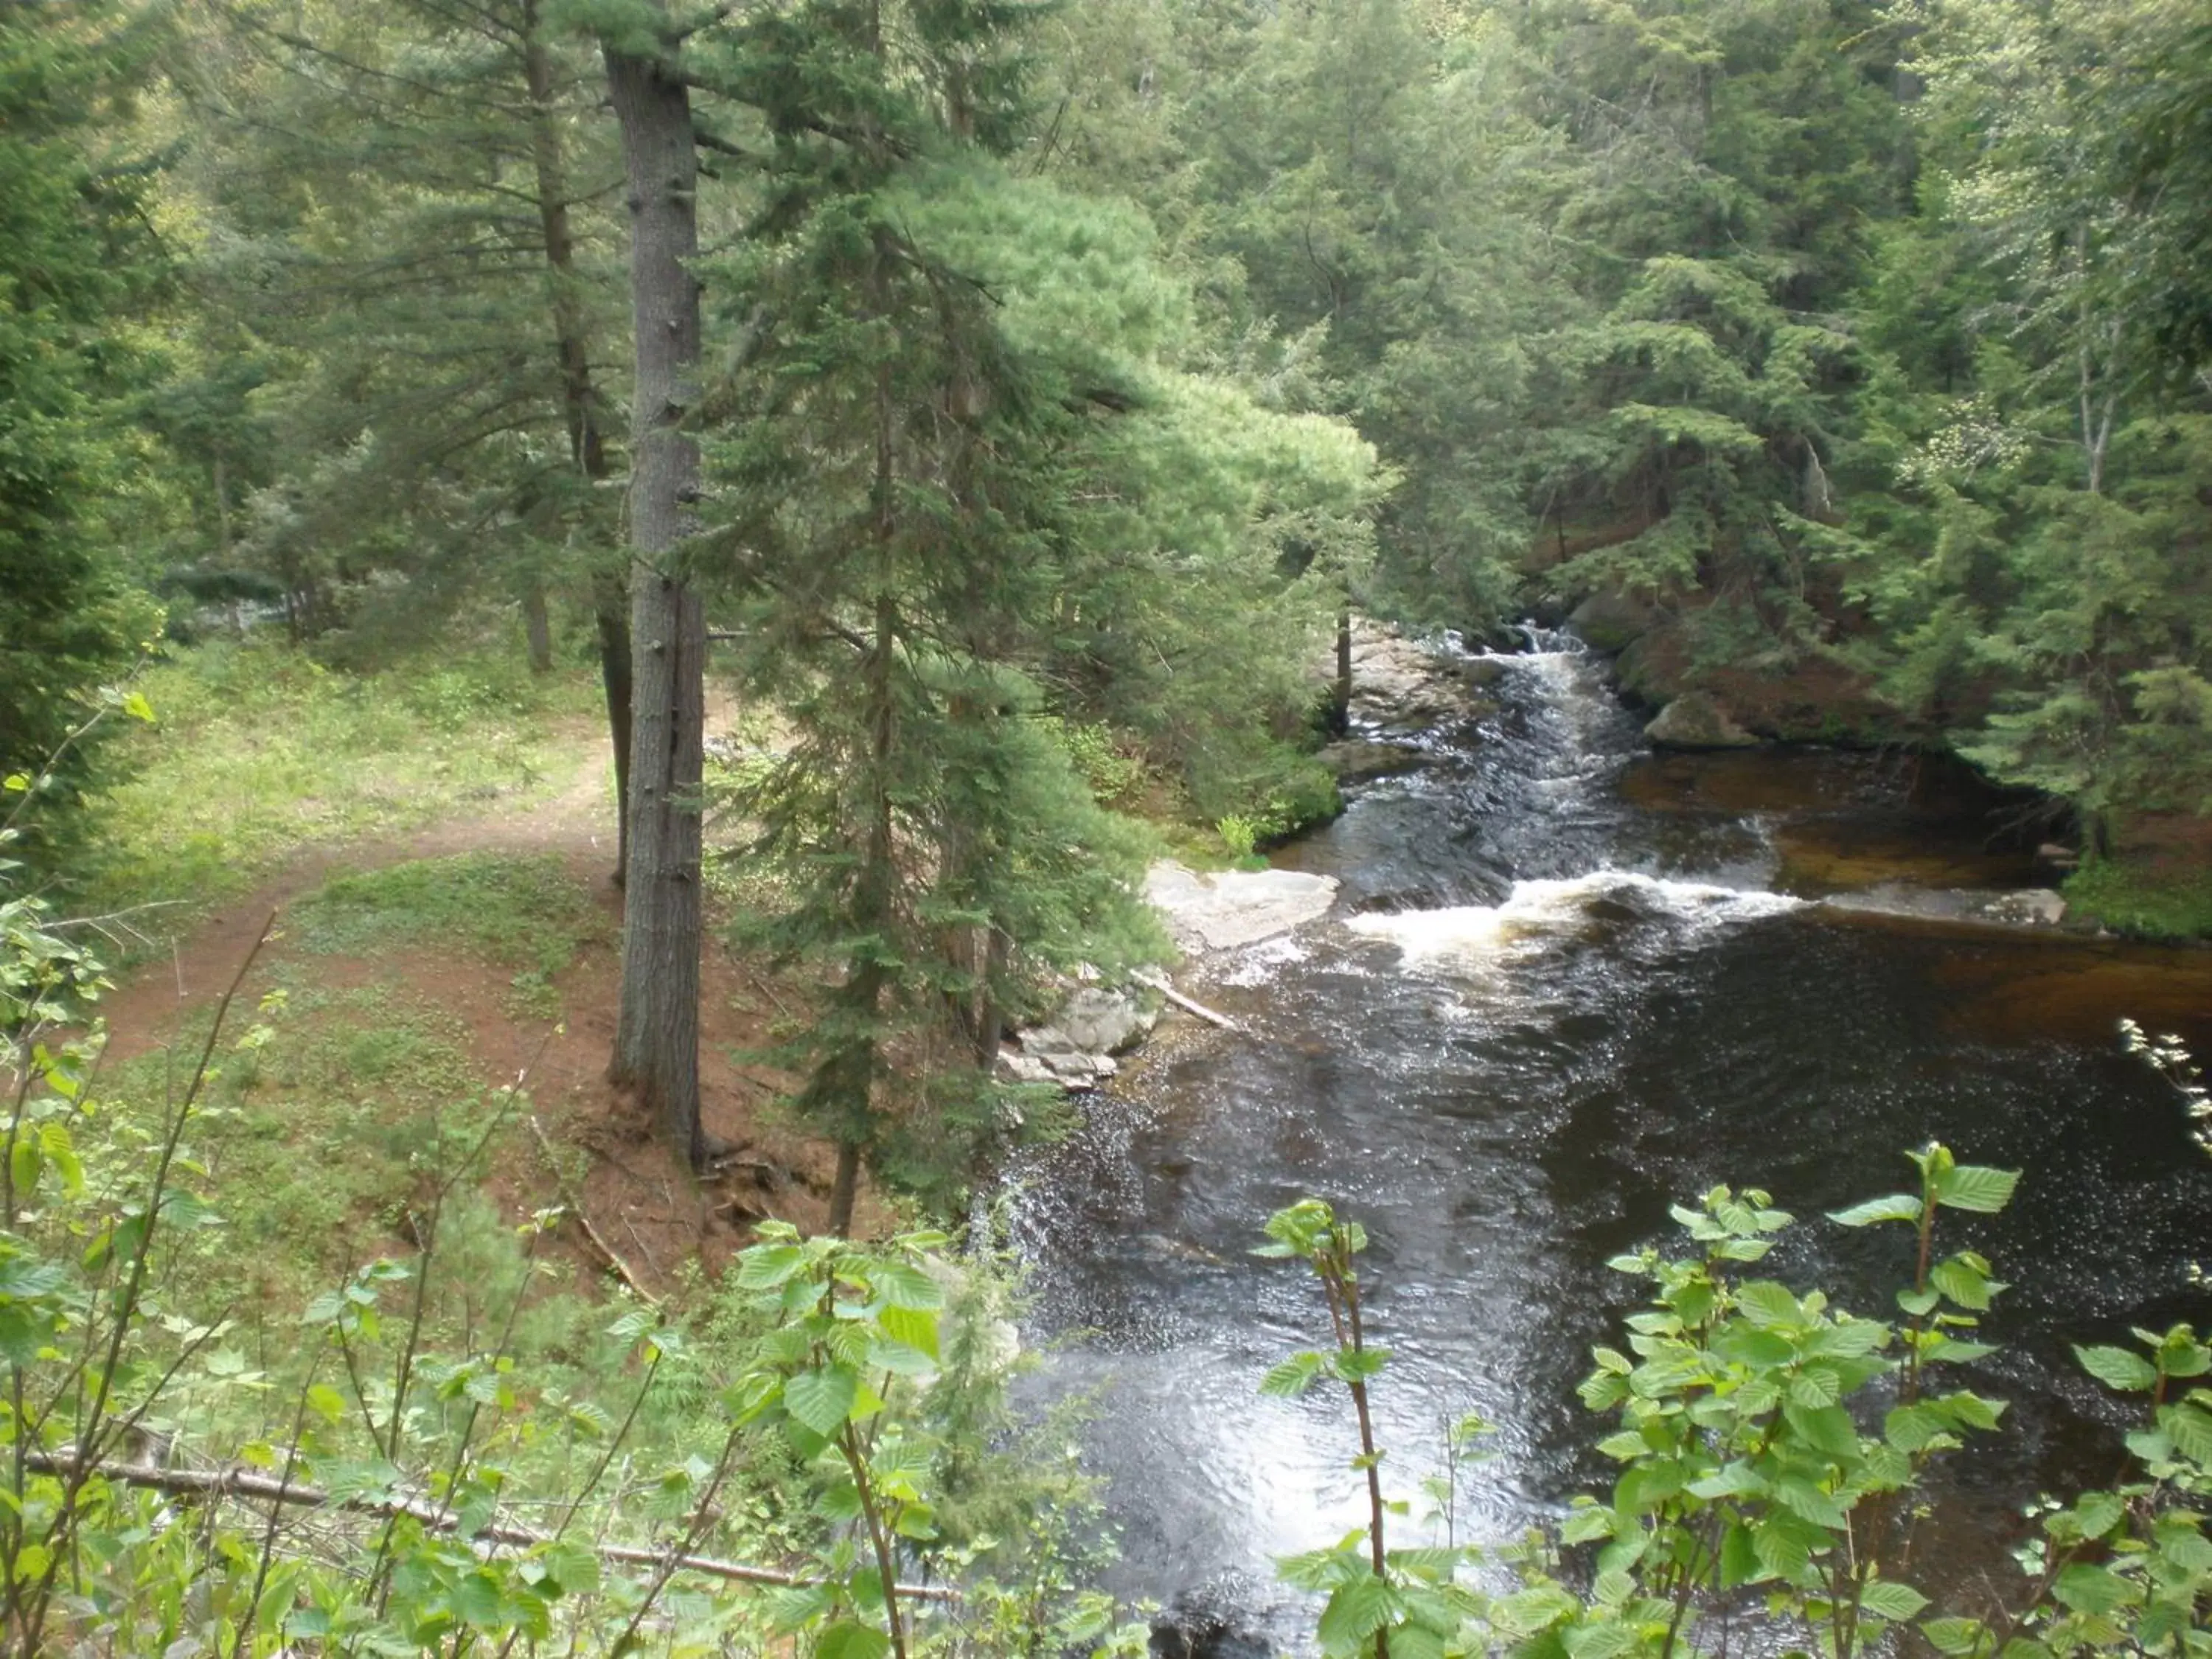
1566, 984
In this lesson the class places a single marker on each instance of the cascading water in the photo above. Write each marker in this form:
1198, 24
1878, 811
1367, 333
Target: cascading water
1545, 1009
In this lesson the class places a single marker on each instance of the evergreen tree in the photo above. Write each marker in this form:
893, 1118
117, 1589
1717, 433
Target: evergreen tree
75, 259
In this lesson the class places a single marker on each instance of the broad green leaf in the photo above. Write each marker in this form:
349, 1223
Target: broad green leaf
797, 1606
2119, 1367
1608, 1640
1896, 1206
1825, 1428
1887, 1598
2089, 1589
916, 1327
821, 1399
764, 1267
1966, 1281
1355, 1612
1740, 1561
1976, 1187
1765, 1302
1953, 1637
2190, 1430
899, 1285
849, 1639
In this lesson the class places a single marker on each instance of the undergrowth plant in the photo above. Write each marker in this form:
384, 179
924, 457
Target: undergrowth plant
412, 1470
1774, 1449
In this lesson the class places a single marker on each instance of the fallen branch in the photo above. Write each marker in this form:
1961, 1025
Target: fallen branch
575, 1204
1158, 982
254, 1485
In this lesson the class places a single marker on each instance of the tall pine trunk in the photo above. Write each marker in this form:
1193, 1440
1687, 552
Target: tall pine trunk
657, 1033
579, 405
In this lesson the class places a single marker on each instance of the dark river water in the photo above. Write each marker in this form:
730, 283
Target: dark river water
1566, 984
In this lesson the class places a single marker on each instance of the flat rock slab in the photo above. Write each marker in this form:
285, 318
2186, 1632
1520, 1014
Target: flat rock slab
1232, 907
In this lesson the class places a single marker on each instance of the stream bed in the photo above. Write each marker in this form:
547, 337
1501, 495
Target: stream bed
1567, 983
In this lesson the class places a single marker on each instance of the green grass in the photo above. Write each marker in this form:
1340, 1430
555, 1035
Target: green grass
260, 750
2128, 899
313, 1142
521, 911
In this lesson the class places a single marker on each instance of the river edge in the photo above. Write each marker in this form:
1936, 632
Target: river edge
1407, 693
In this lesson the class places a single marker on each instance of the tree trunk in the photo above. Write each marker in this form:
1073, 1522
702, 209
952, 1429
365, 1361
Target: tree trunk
657, 1032
537, 626
611, 606
844, 1188
579, 403
1339, 696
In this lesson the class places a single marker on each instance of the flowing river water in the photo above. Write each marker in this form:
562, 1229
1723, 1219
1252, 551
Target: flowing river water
1567, 983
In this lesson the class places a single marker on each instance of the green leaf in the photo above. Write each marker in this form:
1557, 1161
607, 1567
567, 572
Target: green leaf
1740, 1561
1976, 1187
1897, 1206
1887, 1598
1355, 1612
2119, 1367
1765, 1302
899, 1285
849, 1639
1360, 1365
1608, 1640
1955, 1638
2190, 1430
1293, 1377
821, 1399
764, 1267
1966, 1281
1825, 1428
797, 1606
2088, 1589
1586, 1525
916, 1327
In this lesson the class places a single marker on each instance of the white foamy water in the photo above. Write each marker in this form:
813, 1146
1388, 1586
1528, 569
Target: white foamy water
1535, 909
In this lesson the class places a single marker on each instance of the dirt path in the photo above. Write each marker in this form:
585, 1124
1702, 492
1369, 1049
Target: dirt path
657, 1216
145, 1008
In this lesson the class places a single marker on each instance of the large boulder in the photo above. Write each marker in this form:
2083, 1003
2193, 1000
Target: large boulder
1233, 907
1399, 684
1696, 720
1611, 622
1103, 1021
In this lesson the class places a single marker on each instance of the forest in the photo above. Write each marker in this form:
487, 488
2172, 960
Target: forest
644, 641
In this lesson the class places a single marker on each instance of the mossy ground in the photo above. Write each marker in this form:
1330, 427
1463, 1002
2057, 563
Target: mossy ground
2141, 901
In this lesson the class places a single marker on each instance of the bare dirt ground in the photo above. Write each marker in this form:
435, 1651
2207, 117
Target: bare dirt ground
642, 1206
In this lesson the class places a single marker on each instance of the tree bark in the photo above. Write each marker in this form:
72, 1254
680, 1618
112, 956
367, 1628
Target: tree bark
537, 626
579, 403
657, 1032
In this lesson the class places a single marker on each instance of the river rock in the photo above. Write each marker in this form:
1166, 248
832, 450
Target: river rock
1105, 1022
2036, 907
1611, 622
1361, 762
1232, 907
1481, 673
1696, 720
1399, 684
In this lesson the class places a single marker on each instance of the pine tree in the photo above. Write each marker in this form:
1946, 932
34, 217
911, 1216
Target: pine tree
75, 259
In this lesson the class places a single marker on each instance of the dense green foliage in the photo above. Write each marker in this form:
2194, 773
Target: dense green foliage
75, 260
